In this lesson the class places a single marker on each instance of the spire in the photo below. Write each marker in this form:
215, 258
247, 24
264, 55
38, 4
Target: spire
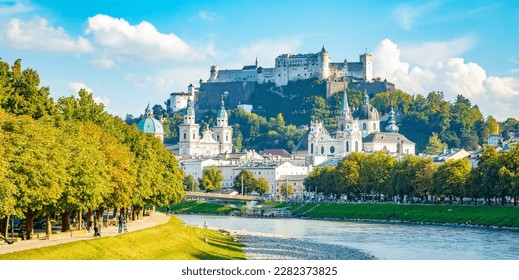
366, 97
391, 122
345, 105
222, 113
148, 112
190, 111
323, 50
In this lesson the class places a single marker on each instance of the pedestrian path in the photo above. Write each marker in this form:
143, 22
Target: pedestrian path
154, 219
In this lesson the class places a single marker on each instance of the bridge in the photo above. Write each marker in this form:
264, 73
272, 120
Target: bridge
221, 196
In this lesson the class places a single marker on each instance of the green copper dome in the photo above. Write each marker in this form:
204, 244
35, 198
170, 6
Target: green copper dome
222, 113
148, 124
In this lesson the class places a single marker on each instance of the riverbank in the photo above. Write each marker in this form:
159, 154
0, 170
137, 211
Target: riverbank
466, 215
264, 246
469, 215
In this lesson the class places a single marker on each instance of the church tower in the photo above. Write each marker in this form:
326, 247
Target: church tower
188, 132
222, 132
348, 128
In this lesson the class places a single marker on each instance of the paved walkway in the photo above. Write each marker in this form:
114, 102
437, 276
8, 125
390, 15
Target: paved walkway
156, 218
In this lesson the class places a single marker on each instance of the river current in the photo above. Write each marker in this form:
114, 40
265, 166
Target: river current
389, 241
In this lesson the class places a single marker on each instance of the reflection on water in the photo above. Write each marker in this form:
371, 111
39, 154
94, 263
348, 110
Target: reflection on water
385, 241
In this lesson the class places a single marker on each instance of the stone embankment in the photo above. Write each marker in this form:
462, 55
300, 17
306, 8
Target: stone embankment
263, 246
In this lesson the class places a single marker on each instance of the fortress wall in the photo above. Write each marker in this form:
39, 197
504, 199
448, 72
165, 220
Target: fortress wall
210, 96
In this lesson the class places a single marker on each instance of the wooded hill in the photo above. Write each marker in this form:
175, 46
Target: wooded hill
428, 120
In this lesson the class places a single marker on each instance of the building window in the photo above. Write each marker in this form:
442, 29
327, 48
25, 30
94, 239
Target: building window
364, 127
322, 150
218, 138
311, 148
185, 136
347, 146
356, 146
332, 149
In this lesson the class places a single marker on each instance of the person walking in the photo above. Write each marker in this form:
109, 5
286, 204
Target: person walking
121, 221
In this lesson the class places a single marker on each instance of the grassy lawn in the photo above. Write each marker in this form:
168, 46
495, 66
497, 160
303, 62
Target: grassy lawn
475, 215
171, 241
199, 208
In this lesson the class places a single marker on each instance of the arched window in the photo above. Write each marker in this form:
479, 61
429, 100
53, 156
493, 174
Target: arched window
218, 138
332, 149
194, 136
342, 127
311, 148
226, 138
185, 136
398, 148
364, 127
347, 146
322, 150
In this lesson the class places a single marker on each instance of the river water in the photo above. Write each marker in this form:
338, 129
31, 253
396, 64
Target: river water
384, 240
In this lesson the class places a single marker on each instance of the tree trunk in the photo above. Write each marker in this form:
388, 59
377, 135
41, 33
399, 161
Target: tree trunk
99, 217
29, 220
65, 220
48, 227
4, 225
80, 220
515, 201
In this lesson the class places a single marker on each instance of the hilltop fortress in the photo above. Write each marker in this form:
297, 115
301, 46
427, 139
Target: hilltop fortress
290, 67
238, 85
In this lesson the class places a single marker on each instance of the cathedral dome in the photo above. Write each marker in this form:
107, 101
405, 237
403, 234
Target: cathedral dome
150, 125
366, 111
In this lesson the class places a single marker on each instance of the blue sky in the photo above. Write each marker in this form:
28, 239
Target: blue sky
127, 52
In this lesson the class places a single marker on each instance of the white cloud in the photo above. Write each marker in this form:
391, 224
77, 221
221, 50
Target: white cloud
266, 50
37, 34
406, 14
9, 7
494, 95
77, 86
103, 63
207, 15
141, 42
428, 53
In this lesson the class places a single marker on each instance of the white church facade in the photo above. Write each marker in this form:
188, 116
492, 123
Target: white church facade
358, 132
214, 141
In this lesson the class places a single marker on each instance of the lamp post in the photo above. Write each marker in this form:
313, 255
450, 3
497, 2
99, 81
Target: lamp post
241, 184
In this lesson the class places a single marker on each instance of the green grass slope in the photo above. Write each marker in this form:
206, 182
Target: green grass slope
170, 241
474, 215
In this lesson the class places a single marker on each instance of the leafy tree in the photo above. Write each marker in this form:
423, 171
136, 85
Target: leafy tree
435, 145
287, 189
348, 177
212, 179
452, 179
247, 178
262, 186
190, 184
